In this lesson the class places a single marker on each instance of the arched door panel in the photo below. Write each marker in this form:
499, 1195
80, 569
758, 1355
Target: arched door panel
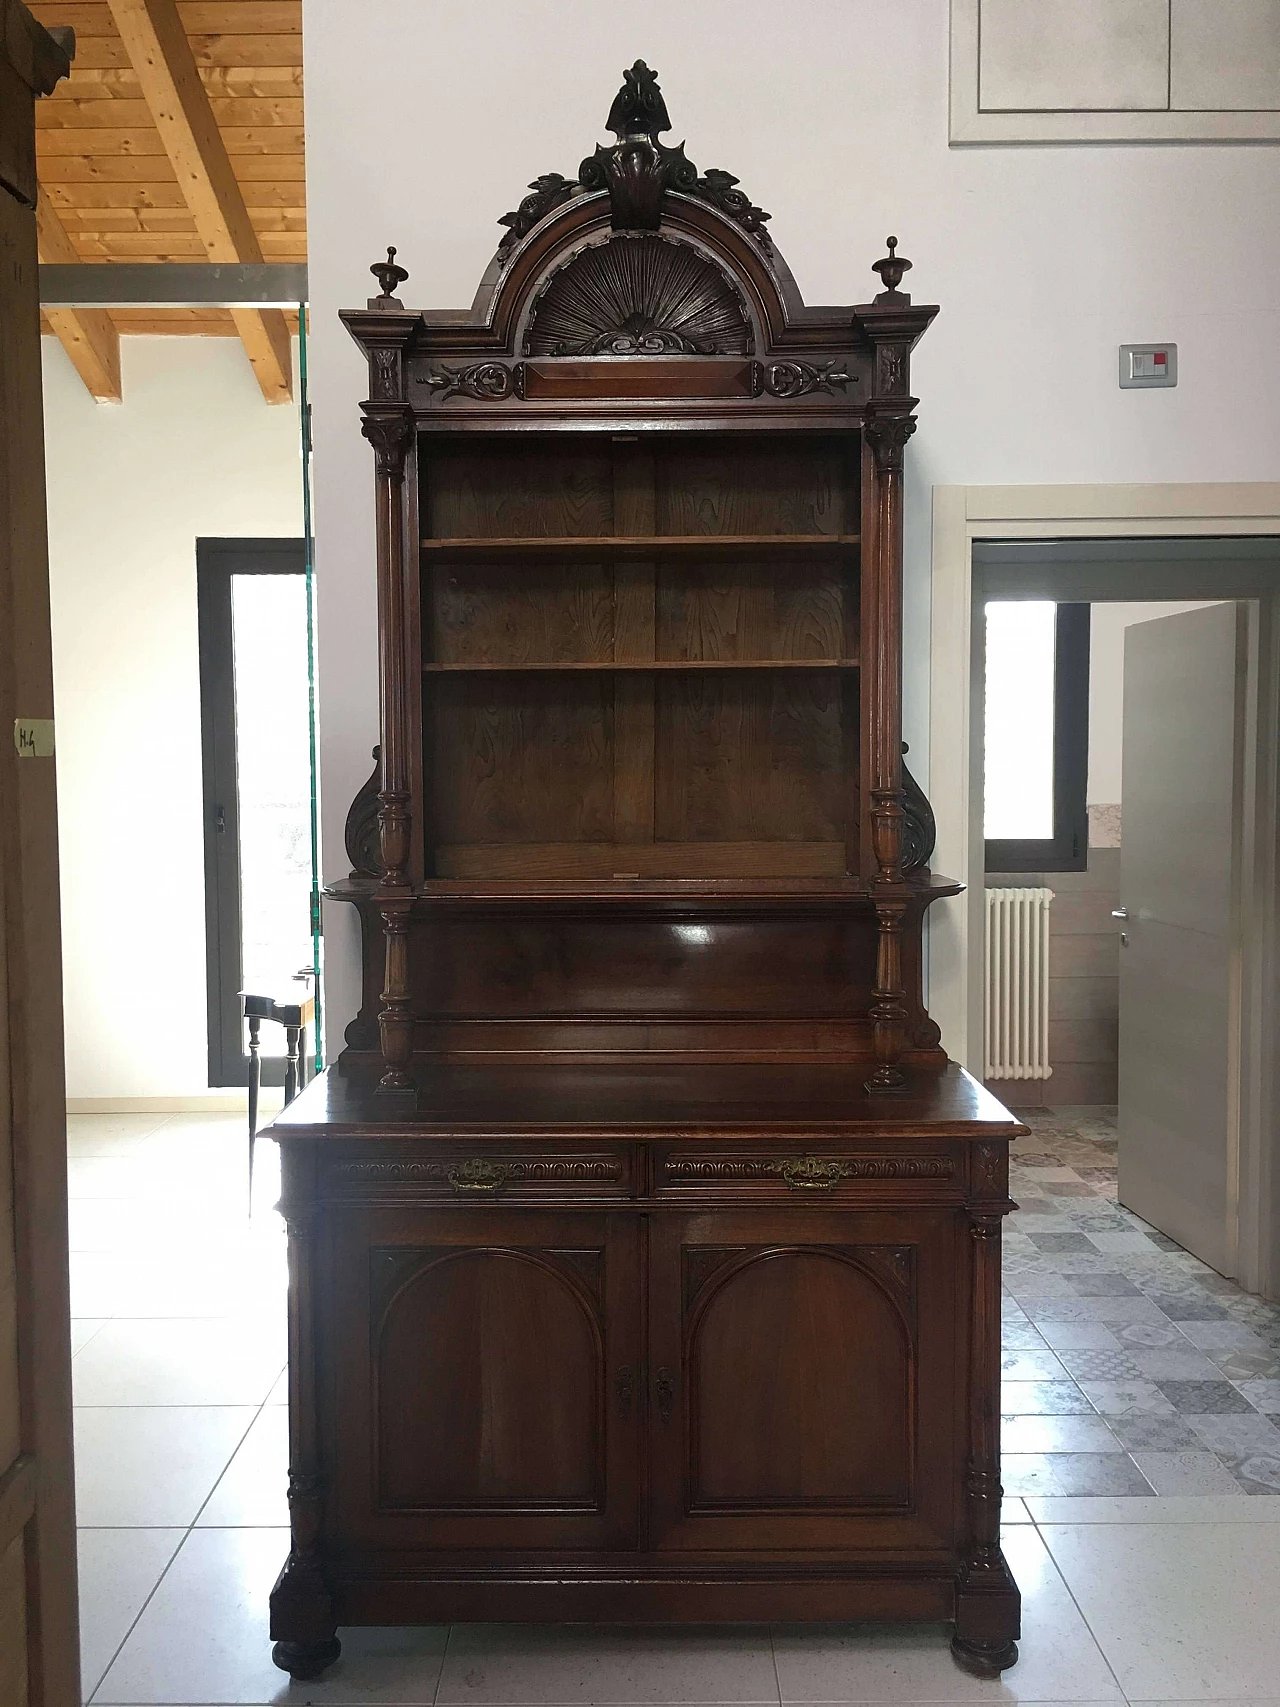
804, 1369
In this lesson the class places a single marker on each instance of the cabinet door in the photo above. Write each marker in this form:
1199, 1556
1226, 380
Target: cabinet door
803, 1381
483, 1368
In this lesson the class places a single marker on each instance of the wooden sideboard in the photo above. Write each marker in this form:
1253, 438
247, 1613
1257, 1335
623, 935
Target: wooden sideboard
645, 1246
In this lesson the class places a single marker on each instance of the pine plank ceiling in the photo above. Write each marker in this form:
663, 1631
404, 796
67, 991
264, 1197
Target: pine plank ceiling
106, 171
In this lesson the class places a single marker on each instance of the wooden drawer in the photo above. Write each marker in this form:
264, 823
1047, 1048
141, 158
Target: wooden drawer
471, 1174
808, 1171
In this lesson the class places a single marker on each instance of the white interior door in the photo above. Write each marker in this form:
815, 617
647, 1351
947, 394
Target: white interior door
1184, 699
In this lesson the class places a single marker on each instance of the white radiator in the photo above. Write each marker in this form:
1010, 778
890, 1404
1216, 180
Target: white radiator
1016, 984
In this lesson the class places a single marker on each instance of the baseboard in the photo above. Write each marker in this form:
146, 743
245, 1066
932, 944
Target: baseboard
210, 1102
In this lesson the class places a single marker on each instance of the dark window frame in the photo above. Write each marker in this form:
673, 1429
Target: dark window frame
1068, 848
217, 560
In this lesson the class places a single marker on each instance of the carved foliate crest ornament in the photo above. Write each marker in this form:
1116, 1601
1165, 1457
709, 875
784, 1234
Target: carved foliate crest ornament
637, 171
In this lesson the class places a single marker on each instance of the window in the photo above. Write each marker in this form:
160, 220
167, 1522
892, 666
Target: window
1037, 735
255, 724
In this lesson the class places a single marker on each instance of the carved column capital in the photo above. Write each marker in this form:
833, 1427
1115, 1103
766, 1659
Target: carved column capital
390, 433
887, 435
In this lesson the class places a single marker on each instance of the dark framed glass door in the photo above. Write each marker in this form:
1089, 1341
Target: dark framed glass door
255, 704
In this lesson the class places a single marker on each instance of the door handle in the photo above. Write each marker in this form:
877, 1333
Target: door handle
1119, 912
666, 1387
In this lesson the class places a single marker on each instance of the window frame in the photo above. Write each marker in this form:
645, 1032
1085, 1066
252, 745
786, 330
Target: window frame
1068, 848
217, 560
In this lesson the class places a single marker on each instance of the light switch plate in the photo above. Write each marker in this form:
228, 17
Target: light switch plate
1143, 365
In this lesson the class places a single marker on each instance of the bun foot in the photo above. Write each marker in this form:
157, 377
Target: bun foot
984, 1659
305, 1660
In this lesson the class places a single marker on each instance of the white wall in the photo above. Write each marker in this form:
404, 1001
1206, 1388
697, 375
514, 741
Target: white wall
426, 118
193, 450
1107, 623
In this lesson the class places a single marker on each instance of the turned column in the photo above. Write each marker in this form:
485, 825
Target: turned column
988, 1605
892, 325
302, 1621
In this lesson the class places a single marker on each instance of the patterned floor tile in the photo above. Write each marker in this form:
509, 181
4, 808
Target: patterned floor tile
1087, 1364
1241, 1432
1172, 1473
1143, 1433
1204, 1398
1056, 1243
1106, 1286
1031, 1366
1063, 1434
1096, 1336
1043, 1399
1188, 1307
1246, 1365
1170, 1364
1129, 1398
1262, 1395
1167, 1375
1256, 1472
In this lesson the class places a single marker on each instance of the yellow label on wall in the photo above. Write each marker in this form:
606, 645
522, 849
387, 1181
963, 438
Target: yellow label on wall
33, 737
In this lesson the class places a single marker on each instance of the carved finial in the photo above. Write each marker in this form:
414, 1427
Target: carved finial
638, 108
891, 268
388, 275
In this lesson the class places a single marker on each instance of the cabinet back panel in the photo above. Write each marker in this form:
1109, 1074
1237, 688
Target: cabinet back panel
753, 756
521, 758
527, 613
496, 490
750, 610
718, 486
537, 968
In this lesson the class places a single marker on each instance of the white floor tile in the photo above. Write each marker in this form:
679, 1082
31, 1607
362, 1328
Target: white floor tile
118, 1570
233, 1361
1014, 1510
220, 1279
143, 1467
575, 1663
203, 1638
1058, 1658
1173, 1508
83, 1328
1187, 1614
251, 1493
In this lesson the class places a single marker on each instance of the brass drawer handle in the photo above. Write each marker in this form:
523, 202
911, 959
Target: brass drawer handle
477, 1175
812, 1173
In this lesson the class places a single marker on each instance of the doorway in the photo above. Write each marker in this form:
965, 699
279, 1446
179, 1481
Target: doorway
259, 791
1083, 570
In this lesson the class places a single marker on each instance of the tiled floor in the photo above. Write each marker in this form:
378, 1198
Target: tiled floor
1143, 1395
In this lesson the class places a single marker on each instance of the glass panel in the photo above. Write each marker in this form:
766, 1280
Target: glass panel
273, 784
1021, 642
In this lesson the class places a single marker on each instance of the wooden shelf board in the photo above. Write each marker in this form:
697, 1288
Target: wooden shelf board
646, 666
642, 545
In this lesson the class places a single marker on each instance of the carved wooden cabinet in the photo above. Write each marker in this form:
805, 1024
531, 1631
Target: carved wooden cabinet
644, 1243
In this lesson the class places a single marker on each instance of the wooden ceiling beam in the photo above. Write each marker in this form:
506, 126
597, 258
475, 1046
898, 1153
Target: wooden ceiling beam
86, 334
165, 65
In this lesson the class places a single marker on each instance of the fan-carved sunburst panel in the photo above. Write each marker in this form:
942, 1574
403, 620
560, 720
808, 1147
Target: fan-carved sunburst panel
639, 296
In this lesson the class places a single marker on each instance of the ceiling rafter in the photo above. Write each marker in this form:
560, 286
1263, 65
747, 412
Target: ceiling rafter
164, 64
86, 334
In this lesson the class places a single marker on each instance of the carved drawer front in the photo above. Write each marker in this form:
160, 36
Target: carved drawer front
802, 1172
478, 1173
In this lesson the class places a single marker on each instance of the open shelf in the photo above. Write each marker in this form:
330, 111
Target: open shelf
649, 665
644, 545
